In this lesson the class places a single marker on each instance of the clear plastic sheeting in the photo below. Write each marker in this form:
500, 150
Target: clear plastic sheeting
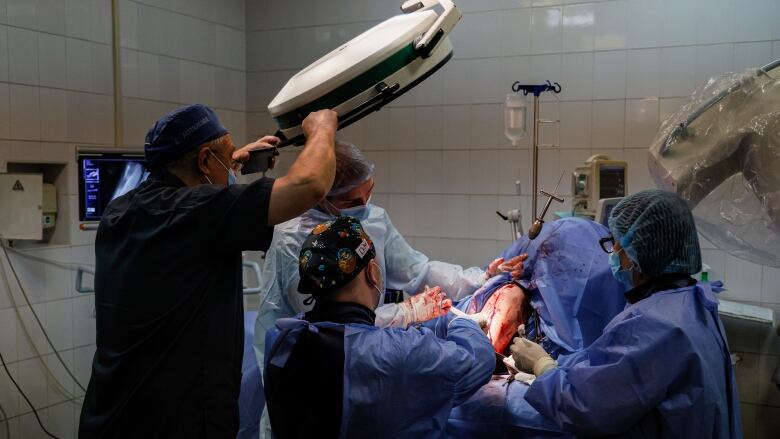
721, 153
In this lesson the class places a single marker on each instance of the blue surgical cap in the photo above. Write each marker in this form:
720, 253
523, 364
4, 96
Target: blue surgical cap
179, 132
658, 232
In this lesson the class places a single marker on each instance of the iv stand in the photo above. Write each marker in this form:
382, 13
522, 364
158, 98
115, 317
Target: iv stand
536, 90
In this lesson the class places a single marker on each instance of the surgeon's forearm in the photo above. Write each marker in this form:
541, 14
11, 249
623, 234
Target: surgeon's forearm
316, 164
389, 316
308, 179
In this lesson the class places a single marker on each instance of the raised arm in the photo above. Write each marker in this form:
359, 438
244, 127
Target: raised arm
312, 174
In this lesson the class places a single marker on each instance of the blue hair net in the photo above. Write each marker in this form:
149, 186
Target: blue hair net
658, 232
179, 132
352, 169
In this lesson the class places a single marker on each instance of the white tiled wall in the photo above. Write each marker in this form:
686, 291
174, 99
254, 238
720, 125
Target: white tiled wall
181, 52
56, 93
443, 165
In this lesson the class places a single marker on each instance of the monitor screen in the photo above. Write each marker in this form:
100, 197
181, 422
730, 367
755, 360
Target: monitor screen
104, 177
612, 181
604, 220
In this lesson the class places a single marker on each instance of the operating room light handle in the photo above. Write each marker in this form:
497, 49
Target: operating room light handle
418, 5
384, 94
440, 28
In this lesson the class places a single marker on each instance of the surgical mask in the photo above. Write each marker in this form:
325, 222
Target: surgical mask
358, 212
376, 287
623, 275
231, 174
381, 296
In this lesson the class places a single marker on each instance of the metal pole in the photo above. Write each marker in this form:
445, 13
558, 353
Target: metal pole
535, 187
116, 58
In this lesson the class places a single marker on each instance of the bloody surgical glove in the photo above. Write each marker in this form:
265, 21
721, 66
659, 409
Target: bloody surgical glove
425, 306
513, 266
530, 357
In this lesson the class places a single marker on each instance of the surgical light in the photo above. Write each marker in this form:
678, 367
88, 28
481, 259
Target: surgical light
364, 74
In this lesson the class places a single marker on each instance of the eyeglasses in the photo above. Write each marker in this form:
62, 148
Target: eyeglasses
607, 244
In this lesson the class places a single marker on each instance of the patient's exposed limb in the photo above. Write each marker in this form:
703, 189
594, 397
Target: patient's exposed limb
506, 309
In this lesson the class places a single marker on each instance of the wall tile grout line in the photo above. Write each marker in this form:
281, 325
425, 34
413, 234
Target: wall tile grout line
206, 20
178, 58
159, 101
65, 36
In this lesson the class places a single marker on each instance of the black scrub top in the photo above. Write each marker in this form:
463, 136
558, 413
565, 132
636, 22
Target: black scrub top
304, 399
170, 310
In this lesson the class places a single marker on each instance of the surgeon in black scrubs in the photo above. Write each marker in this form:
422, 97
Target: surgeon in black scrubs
168, 276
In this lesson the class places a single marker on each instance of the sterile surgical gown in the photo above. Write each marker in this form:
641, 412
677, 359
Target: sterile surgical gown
498, 408
397, 382
404, 268
571, 285
661, 369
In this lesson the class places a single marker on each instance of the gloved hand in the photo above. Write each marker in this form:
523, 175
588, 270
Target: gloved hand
479, 318
514, 266
425, 306
530, 357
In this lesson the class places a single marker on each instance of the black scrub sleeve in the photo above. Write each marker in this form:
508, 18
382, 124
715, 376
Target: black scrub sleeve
239, 215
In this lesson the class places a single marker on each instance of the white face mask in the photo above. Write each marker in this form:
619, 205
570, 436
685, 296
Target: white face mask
379, 291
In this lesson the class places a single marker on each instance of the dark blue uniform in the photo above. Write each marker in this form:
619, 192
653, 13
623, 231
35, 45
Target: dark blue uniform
170, 310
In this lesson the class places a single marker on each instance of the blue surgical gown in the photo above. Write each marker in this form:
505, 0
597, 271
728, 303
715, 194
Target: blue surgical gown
661, 369
498, 410
398, 382
404, 268
571, 285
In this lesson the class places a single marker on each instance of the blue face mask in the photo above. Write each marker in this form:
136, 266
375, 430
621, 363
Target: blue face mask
358, 212
231, 174
623, 275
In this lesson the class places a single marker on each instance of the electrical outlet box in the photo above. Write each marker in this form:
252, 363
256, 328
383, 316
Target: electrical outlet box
21, 206
49, 206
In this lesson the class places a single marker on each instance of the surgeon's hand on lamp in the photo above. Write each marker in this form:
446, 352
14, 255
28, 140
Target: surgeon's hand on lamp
425, 306
530, 357
242, 155
513, 266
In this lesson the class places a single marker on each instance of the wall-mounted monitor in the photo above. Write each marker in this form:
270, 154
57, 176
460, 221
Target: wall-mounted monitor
104, 176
